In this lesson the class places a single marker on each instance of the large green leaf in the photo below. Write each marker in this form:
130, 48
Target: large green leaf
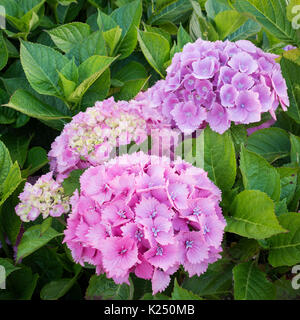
215, 283
106, 289
89, 71
93, 44
271, 14
288, 181
156, 49
17, 146
258, 174
33, 239
295, 148
253, 216
270, 143
11, 182
58, 288
180, 293
3, 52
176, 12
8, 265
129, 26
219, 158
248, 29
228, 22
40, 64
285, 248
68, 35
250, 283
5, 162
26, 103
290, 67
36, 159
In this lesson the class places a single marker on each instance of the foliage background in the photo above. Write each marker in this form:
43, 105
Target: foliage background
58, 57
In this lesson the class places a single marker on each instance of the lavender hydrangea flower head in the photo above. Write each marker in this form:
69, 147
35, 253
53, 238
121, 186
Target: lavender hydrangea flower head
46, 196
216, 83
146, 215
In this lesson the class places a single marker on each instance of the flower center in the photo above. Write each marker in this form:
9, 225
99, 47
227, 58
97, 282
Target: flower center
206, 230
123, 251
191, 82
240, 86
139, 235
153, 214
242, 105
189, 244
121, 213
197, 211
159, 251
155, 231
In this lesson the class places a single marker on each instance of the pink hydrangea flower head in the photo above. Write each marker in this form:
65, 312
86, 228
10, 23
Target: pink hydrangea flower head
91, 136
167, 215
45, 197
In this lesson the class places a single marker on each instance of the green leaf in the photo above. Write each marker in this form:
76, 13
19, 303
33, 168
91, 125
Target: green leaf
66, 85
183, 294
130, 71
215, 283
58, 288
68, 35
17, 146
200, 27
89, 71
130, 89
98, 91
9, 221
72, 183
213, 7
270, 143
250, 283
33, 239
295, 148
156, 49
228, 22
3, 52
112, 38
40, 64
258, 174
9, 266
253, 216
176, 12
106, 289
5, 162
271, 14
11, 182
285, 248
22, 284
219, 158
182, 38
36, 159
248, 29
128, 26
26, 103
290, 69
288, 181
92, 45
244, 250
